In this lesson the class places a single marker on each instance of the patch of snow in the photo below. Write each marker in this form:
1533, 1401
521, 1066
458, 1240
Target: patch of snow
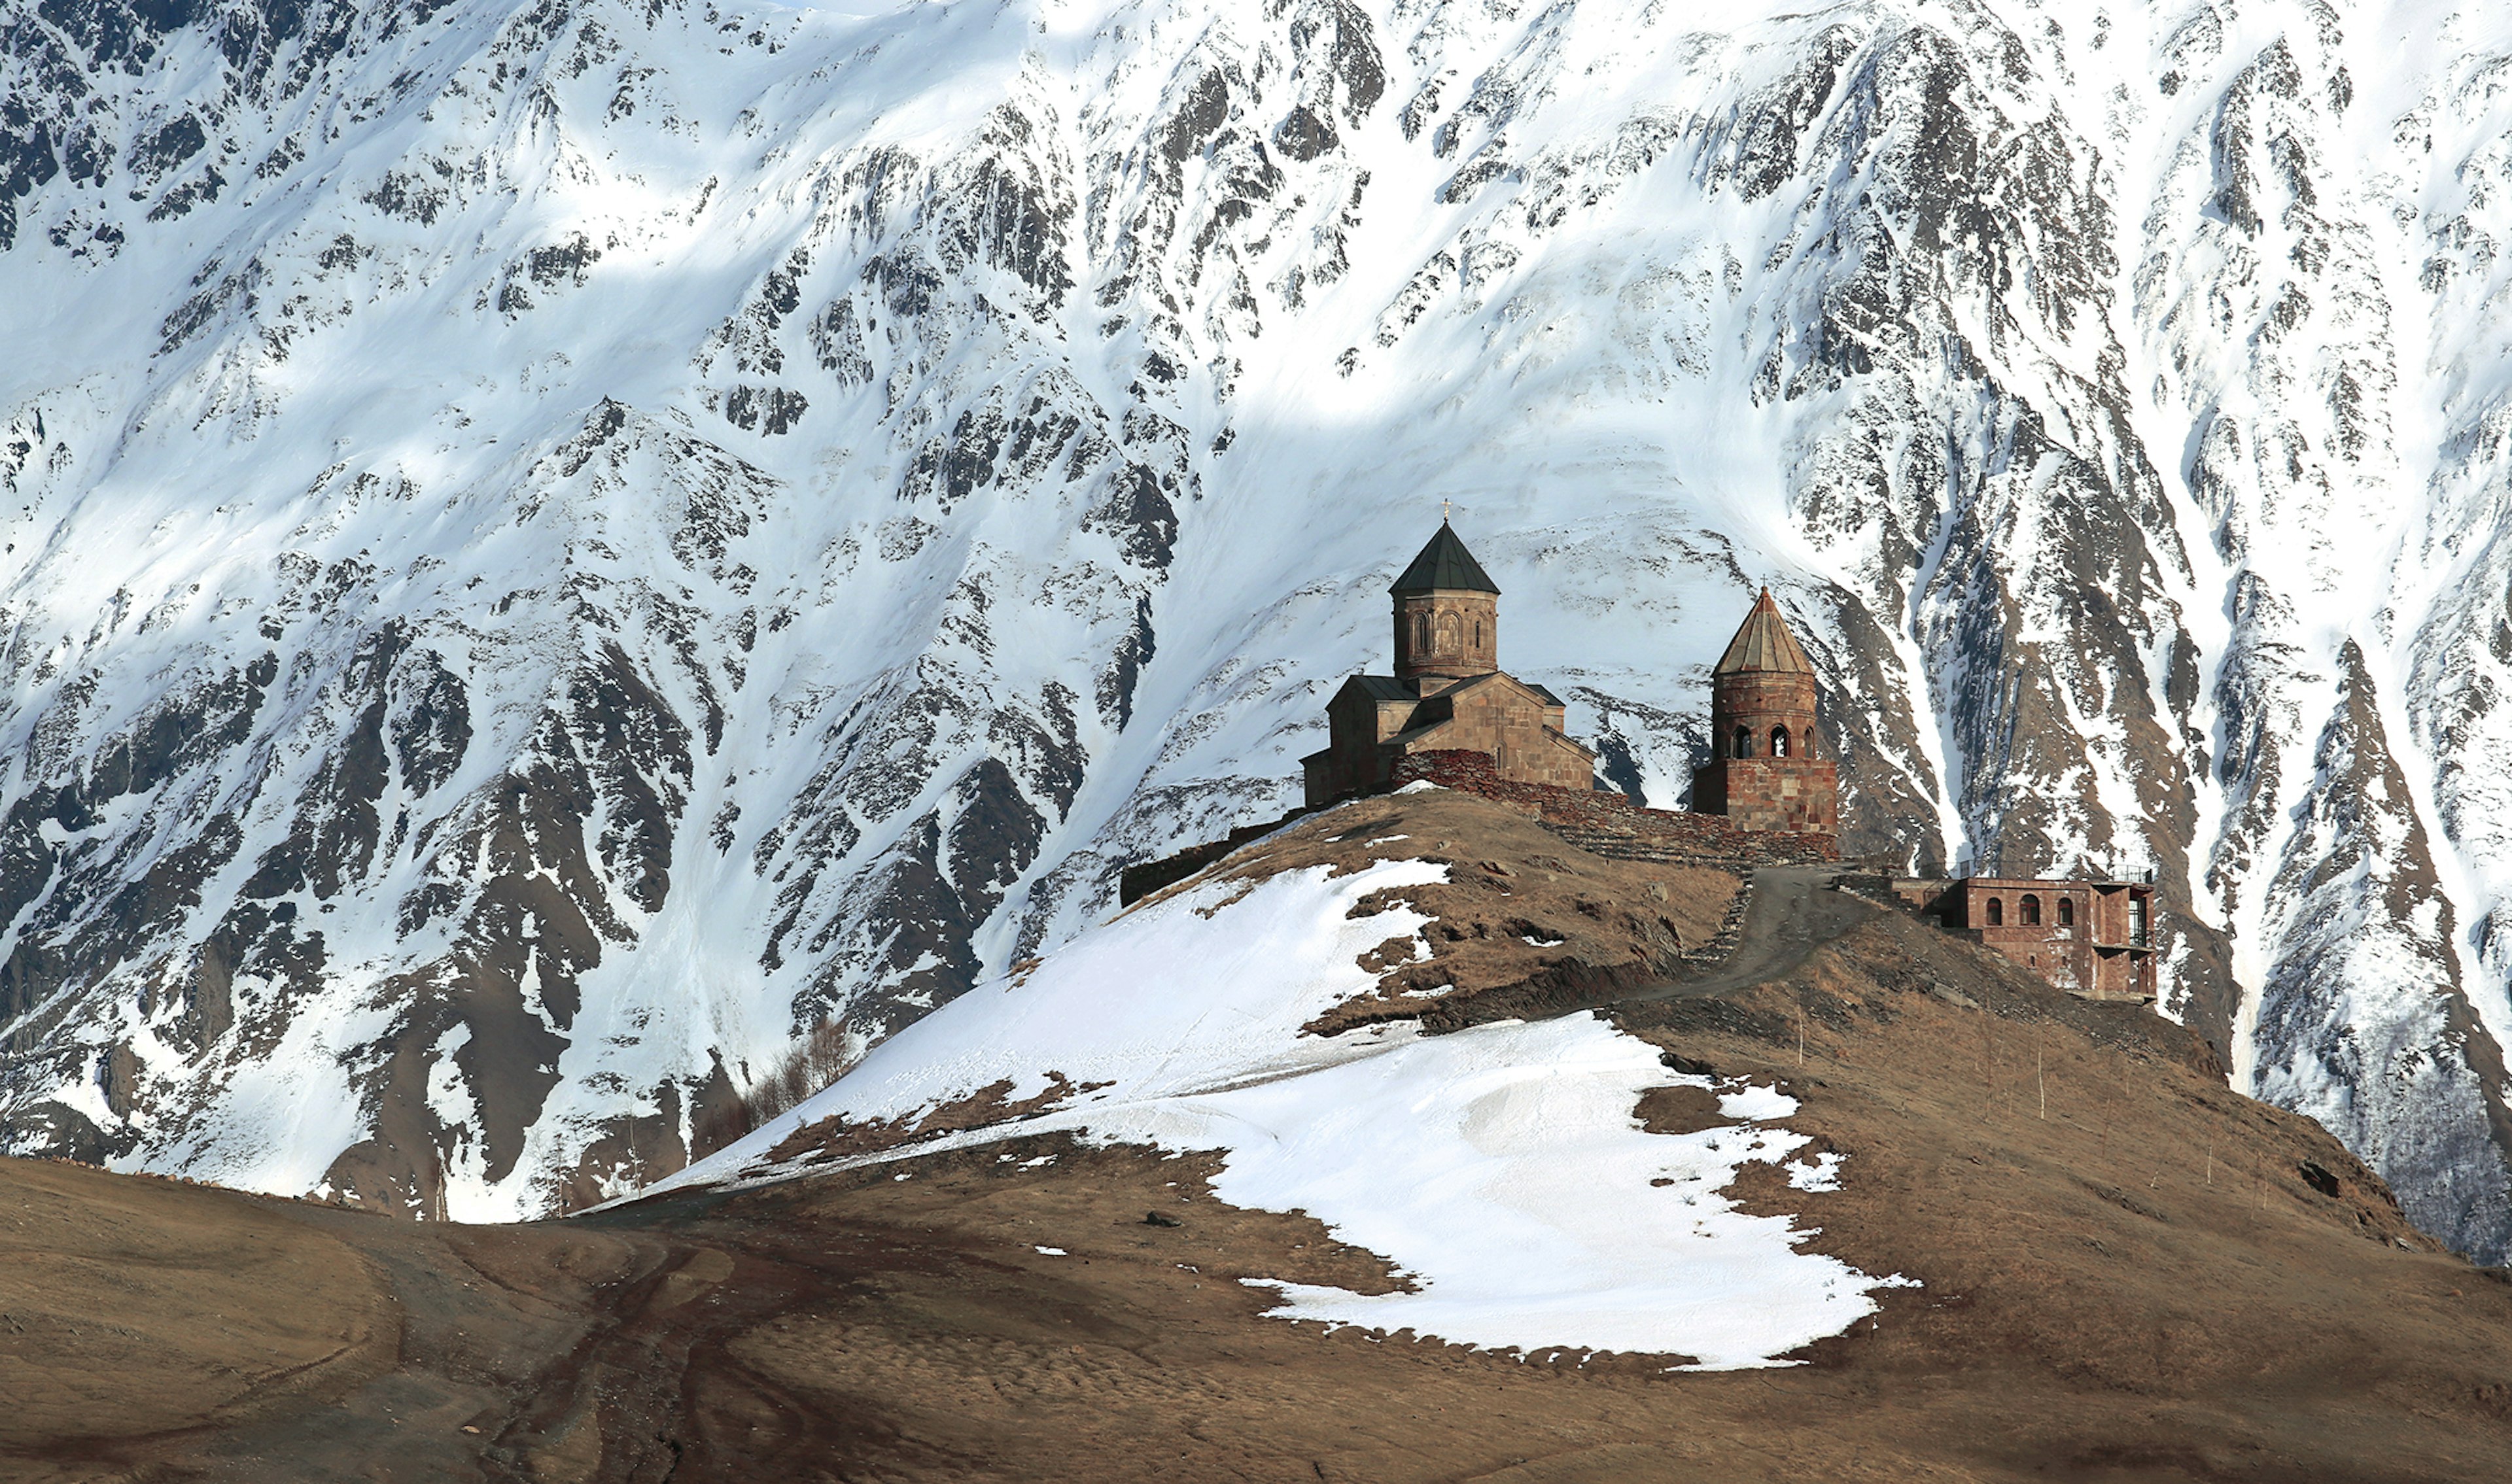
1502, 1169
1755, 1103
1821, 1175
1053, 1252
1418, 786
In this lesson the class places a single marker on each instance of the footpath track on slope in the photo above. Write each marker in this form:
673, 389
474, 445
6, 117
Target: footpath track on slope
1792, 910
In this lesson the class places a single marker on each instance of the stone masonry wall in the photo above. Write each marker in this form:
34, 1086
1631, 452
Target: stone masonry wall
1788, 793
1757, 701
1496, 722
1461, 630
1610, 824
1596, 820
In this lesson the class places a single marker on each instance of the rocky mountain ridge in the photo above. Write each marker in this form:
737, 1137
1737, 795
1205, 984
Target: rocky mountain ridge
552, 549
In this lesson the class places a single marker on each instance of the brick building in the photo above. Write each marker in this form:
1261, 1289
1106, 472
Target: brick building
2090, 938
1448, 692
1770, 767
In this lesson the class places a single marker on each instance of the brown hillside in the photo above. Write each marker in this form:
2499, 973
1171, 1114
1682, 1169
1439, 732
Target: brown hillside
2156, 1281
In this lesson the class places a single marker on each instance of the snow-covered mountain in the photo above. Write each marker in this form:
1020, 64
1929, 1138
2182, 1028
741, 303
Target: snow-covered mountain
550, 549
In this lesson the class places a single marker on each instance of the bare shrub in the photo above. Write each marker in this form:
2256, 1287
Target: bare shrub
821, 1056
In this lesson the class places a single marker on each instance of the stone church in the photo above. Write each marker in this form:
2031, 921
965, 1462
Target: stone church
1771, 774
1448, 692
1769, 767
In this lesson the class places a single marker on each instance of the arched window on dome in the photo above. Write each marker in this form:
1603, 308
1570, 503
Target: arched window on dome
1808, 742
1996, 913
1421, 632
1778, 741
1451, 629
2031, 906
1744, 741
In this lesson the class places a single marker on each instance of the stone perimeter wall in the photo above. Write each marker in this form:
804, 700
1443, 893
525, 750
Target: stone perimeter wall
1138, 881
1596, 819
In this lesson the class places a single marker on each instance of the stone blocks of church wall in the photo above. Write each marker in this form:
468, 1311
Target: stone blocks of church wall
1354, 761
1759, 700
1797, 795
1446, 632
1524, 750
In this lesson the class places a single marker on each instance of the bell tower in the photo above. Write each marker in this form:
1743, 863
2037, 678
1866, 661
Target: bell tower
1770, 768
1447, 614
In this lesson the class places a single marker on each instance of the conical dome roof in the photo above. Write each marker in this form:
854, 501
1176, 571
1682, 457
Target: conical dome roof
1444, 564
1764, 643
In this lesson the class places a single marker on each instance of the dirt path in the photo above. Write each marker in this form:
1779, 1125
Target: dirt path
1793, 911
1791, 914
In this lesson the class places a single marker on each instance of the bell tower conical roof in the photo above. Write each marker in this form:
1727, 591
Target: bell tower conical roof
1444, 564
1764, 643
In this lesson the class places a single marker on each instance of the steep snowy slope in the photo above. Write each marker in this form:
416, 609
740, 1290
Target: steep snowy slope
550, 549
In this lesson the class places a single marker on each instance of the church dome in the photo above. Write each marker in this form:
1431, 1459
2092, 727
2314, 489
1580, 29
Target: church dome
1444, 566
1763, 644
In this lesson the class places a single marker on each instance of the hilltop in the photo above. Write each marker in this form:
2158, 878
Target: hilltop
2061, 1248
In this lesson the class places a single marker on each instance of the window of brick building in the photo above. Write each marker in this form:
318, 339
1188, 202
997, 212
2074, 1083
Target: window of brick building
1744, 741
2066, 913
1778, 741
1996, 913
2031, 906
1808, 742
